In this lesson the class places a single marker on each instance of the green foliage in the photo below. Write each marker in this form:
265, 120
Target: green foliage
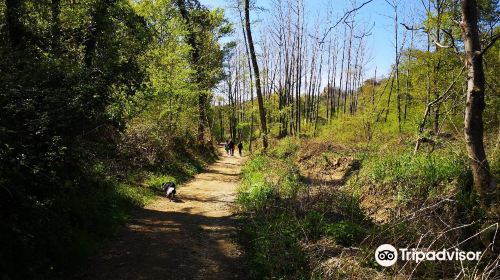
98, 107
286, 147
272, 247
270, 236
256, 163
259, 189
421, 174
313, 224
257, 195
345, 233
413, 180
275, 221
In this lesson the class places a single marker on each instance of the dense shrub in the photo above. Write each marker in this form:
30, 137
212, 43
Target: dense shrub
416, 177
416, 170
286, 147
345, 233
268, 231
313, 224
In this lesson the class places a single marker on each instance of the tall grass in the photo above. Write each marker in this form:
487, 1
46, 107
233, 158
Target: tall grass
280, 217
275, 221
415, 170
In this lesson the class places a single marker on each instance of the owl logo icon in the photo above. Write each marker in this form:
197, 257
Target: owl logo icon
386, 255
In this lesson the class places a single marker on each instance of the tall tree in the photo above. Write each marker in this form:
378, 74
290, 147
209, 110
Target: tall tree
14, 27
483, 180
255, 65
251, 79
195, 59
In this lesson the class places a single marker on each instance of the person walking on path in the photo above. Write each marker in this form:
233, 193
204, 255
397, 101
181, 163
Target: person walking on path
226, 146
231, 146
240, 147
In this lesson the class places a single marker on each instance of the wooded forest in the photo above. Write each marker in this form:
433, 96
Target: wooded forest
103, 101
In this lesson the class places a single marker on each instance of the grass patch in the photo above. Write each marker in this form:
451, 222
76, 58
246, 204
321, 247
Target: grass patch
283, 221
276, 220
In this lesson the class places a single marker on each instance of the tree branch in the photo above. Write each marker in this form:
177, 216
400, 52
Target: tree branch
490, 44
453, 45
440, 99
345, 16
412, 28
439, 45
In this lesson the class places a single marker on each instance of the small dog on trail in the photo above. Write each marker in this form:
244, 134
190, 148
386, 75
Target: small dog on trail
169, 189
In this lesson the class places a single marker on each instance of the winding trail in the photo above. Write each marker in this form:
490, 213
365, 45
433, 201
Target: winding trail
192, 238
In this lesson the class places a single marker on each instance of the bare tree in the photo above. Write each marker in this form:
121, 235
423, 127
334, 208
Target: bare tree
394, 4
255, 65
407, 87
251, 79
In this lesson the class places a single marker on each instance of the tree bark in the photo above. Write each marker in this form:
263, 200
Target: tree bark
251, 81
55, 8
484, 184
14, 26
255, 65
398, 93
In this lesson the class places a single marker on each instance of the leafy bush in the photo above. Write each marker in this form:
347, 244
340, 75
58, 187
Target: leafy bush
256, 163
286, 148
275, 222
256, 196
269, 231
266, 180
345, 233
313, 224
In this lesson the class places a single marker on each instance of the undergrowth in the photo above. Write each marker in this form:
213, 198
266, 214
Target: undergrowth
277, 216
425, 195
52, 237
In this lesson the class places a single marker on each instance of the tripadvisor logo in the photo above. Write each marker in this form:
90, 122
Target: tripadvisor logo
387, 255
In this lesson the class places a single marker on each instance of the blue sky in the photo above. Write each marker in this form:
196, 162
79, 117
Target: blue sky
378, 13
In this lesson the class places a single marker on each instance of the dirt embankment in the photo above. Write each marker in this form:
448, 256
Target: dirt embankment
323, 163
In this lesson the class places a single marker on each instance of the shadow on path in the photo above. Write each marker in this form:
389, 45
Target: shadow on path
190, 239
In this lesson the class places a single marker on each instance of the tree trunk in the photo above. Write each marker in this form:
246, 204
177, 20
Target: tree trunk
14, 26
373, 87
251, 81
55, 8
483, 180
341, 70
260, 101
398, 93
221, 123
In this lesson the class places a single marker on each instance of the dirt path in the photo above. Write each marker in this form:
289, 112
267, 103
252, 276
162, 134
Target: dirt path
188, 239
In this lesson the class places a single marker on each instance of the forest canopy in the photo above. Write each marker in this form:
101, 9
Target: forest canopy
91, 93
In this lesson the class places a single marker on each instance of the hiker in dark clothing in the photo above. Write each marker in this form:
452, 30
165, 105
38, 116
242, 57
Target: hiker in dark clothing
226, 146
240, 147
231, 146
